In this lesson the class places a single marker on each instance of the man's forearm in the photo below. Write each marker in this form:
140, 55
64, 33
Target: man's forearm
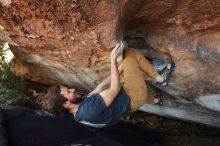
109, 94
115, 78
106, 82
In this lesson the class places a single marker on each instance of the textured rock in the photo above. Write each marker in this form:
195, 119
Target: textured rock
210, 101
69, 41
5, 2
63, 35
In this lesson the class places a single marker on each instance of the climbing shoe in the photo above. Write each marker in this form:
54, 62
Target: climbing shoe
166, 73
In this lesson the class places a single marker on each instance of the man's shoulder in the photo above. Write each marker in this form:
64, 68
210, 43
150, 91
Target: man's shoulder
89, 96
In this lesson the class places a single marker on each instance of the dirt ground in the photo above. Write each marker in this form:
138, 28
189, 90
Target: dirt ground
176, 132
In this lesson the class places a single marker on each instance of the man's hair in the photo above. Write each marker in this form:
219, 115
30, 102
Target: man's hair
53, 101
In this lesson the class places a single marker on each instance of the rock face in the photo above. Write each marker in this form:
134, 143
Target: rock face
69, 41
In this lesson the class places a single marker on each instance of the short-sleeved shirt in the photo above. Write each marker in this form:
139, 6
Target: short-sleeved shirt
94, 112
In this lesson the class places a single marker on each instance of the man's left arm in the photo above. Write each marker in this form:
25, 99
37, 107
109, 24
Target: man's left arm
106, 82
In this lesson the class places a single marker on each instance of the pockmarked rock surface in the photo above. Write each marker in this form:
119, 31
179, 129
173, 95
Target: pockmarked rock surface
69, 41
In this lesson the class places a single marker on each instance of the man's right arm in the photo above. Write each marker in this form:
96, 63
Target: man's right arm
109, 94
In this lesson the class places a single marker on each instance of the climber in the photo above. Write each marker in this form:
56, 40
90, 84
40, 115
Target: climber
105, 105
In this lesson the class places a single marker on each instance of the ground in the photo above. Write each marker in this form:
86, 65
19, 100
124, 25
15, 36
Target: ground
175, 132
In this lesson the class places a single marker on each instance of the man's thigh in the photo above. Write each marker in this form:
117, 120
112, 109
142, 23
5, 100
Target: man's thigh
134, 85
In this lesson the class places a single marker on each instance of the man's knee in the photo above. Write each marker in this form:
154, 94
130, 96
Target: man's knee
130, 50
131, 53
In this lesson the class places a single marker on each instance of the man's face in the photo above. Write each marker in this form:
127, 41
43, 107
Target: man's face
69, 93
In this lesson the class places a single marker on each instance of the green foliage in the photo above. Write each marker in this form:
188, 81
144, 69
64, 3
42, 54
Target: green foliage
12, 88
2, 52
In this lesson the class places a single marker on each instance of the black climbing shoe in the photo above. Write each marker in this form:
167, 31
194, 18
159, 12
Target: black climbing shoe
166, 73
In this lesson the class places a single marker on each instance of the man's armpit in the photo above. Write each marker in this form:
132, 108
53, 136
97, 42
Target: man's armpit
107, 97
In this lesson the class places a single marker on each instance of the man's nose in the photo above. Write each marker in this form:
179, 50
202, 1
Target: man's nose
72, 90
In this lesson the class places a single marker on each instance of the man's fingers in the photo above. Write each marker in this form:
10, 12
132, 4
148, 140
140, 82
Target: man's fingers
116, 47
121, 47
117, 50
122, 44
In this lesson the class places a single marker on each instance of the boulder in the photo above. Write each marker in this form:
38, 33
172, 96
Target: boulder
69, 42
